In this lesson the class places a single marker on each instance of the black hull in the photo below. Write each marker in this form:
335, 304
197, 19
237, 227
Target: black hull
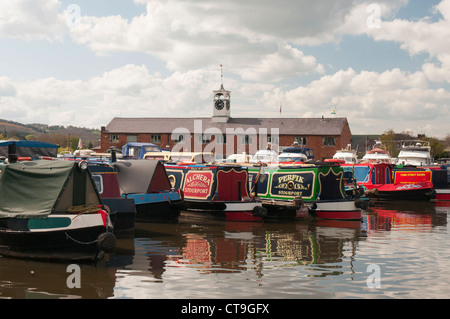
221, 211
122, 213
279, 211
77, 244
158, 212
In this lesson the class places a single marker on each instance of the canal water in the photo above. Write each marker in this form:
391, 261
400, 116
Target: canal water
399, 250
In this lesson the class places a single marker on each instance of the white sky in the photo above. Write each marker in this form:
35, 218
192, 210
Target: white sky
382, 64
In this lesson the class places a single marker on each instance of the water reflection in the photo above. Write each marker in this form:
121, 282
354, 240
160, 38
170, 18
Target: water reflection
404, 215
219, 259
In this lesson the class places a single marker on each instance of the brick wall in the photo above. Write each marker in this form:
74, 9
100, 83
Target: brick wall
315, 142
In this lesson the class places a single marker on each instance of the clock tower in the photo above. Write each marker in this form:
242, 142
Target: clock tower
221, 103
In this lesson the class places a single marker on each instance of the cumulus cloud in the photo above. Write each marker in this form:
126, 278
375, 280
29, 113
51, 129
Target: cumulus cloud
252, 37
38, 19
425, 35
260, 45
371, 101
127, 91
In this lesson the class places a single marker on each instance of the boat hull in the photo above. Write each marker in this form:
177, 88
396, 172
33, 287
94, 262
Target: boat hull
230, 211
57, 237
335, 209
390, 192
442, 194
281, 209
122, 213
157, 207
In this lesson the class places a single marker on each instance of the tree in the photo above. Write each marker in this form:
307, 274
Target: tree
437, 147
389, 141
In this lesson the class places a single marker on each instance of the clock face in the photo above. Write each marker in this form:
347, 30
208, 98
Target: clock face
227, 103
219, 105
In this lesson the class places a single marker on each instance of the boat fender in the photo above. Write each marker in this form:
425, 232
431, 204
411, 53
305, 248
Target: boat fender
431, 194
371, 192
106, 242
259, 211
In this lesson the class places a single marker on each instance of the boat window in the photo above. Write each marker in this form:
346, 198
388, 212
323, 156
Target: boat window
388, 176
362, 173
373, 177
98, 182
152, 149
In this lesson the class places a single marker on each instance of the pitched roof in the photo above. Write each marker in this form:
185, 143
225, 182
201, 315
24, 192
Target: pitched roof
286, 126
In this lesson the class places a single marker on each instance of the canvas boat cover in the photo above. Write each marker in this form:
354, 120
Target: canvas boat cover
37, 188
33, 149
142, 176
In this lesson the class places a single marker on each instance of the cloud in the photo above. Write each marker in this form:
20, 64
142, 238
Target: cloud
29, 20
126, 91
252, 38
425, 35
260, 43
372, 102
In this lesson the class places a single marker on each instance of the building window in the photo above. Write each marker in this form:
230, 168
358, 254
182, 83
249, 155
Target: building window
131, 138
300, 140
155, 138
179, 138
204, 138
246, 140
329, 141
275, 140
114, 138
221, 139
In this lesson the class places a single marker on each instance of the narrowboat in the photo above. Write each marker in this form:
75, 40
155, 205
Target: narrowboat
146, 182
437, 175
300, 149
122, 210
51, 210
216, 191
28, 150
320, 187
136, 150
379, 183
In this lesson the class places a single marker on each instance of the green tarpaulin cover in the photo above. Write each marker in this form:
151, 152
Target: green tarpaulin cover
38, 188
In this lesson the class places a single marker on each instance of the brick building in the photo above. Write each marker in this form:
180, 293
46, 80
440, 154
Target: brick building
226, 135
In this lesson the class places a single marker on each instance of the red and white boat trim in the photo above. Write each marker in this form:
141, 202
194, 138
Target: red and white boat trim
443, 194
342, 210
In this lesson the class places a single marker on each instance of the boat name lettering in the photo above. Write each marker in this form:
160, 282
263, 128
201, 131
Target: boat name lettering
198, 177
408, 186
290, 177
292, 186
198, 185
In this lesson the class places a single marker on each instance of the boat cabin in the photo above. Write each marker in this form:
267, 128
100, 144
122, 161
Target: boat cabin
300, 150
137, 150
210, 182
264, 156
182, 157
415, 153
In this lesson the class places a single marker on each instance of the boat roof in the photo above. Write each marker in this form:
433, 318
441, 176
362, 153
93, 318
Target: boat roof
377, 151
141, 176
296, 149
37, 188
33, 149
25, 143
